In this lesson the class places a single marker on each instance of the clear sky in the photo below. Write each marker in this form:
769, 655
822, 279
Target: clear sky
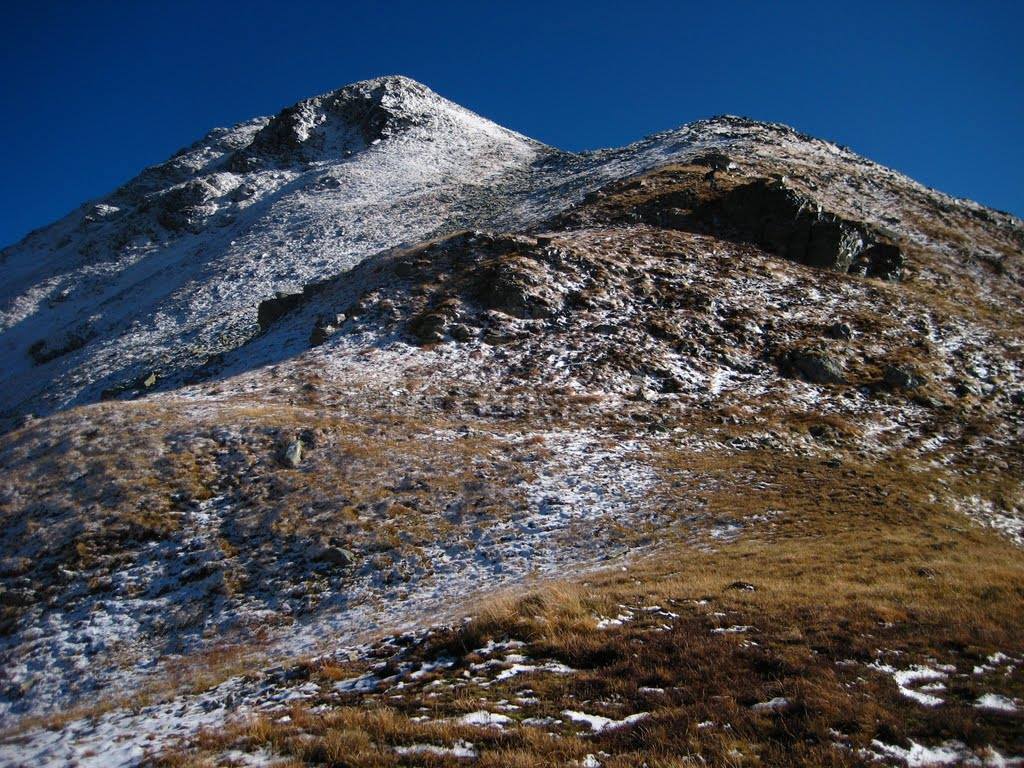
94, 91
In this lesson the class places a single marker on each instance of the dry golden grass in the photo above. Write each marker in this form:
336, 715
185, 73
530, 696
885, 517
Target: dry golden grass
859, 562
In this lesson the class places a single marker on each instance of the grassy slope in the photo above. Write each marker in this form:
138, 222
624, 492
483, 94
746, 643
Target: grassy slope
863, 565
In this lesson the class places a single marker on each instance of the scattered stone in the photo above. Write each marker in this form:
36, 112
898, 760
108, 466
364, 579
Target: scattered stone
461, 332
293, 454
773, 705
840, 331
333, 555
271, 310
901, 377
743, 586
811, 365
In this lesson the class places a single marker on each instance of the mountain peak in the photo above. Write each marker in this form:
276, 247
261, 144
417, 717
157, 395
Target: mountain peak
175, 262
371, 360
355, 116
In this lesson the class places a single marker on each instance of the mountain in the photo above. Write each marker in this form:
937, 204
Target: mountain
374, 433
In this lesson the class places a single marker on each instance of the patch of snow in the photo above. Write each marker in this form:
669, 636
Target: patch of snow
735, 629
905, 678
461, 749
995, 702
483, 718
947, 753
600, 724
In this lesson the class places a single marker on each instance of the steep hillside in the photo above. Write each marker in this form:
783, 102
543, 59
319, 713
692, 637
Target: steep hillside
421, 443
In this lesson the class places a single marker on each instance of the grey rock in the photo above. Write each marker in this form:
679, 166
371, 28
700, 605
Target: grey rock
45, 350
881, 260
461, 332
293, 454
840, 331
321, 332
331, 554
271, 310
789, 224
17, 597
521, 288
429, 327
813, 366
901, 377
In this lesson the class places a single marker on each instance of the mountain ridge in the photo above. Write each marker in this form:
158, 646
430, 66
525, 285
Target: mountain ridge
145, 230
462, 444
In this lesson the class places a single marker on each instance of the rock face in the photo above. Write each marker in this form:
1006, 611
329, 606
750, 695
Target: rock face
728, 201
787, 223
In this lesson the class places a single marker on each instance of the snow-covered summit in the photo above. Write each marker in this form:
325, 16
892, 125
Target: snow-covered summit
336, 124
168, 269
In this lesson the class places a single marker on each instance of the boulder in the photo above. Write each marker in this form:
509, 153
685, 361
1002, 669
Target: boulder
429, 327
461, 332
901, 377
884, 261
333, 555
325, 328
271, 310
292, 456
840, 331
811, 365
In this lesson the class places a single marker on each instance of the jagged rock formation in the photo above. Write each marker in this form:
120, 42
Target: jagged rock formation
375, 353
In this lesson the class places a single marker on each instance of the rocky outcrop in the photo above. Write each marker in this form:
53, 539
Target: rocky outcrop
520, 287
189, 205
270, 311
786, 223
292, 455
713, 195
44, 350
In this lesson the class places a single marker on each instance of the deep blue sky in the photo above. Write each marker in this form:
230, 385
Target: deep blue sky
94, 91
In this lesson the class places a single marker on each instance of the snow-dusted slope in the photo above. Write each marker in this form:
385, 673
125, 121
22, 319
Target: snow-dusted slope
631, 370
169, 268
167, 272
